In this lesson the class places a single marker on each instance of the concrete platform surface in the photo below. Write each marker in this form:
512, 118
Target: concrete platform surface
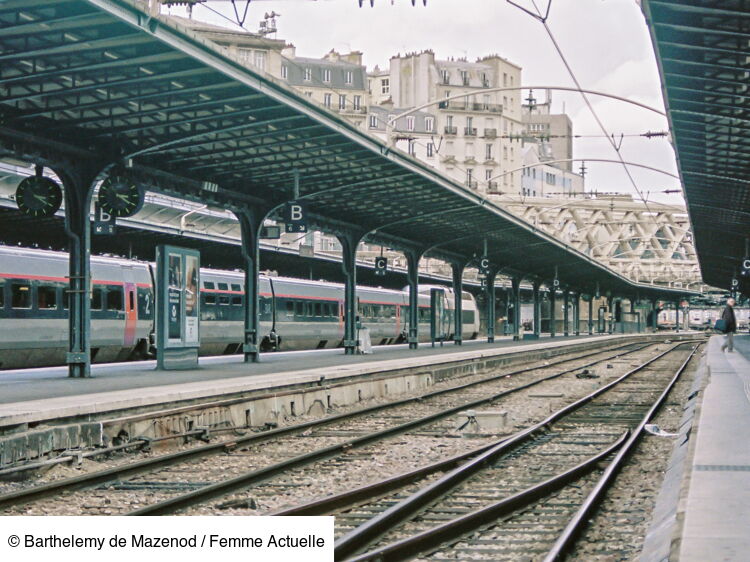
717, 508
37, 394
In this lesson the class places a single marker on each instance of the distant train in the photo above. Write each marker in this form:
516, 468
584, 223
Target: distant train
294, 314
702, 318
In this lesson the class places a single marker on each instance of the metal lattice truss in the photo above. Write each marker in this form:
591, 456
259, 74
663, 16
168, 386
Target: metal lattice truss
651, 245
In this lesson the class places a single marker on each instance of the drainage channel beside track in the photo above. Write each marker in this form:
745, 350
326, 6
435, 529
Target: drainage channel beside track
169, 476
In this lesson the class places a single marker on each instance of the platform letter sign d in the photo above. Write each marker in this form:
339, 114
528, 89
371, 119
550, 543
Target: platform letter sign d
381, 265
295, 217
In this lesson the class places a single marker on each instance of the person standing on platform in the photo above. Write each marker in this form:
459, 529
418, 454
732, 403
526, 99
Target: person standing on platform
730, 325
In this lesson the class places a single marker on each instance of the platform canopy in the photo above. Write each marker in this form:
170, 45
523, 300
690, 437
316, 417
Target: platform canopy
103, 81
703, 50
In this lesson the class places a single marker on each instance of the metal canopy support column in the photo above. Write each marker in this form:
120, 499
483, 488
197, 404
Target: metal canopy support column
491, 315
516, 284
553, 312
591, 315
576, 314
677, 315
537, 310
611, 314
458, 273
79, 187
249, 225
654, 315
566, 313
349, 243
412, 260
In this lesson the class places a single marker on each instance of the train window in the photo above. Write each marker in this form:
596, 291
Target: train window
209, 285
299, 308
20, 295
290, 309
46, 297
223, 287
237, 300
114, 298
467, 316
318, 309
334, 309
236, 287
131, 300
96, 299
209, 299
223, 299
309, 309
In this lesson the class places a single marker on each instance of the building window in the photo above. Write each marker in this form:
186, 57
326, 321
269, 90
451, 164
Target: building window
327, 100
446, 76
385, 85
390, 120
486, 101
449, 121
308, 94
373, 121
465, 77
357, 103
342, 101
488, 152
485, 80
469, 150
410, 123
259, 59
284, 71
488, 174
308, 74
469, 175
430, 150
505, 80
348, 77
412, 147
429, 124
326, 75
505, 153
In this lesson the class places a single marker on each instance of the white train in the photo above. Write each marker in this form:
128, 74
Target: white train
294, 313
703, 318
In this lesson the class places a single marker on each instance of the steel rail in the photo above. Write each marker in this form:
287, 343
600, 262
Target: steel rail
225, 487
358, 539
147, 465
411, 546
579, 521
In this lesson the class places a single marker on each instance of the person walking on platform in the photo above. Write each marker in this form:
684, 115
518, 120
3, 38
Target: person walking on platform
730, 325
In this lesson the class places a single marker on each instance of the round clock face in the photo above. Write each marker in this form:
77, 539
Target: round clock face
120, 197
38, 196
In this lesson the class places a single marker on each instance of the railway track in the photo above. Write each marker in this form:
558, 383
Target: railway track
527, 497
179, 484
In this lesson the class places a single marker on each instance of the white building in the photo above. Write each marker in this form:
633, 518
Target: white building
471, 141
546, 180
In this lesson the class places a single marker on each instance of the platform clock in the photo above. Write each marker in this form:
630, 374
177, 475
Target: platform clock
38, 196
120, 196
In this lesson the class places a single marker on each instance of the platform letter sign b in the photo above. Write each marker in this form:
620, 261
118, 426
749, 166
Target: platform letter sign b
296, 217
381, 265
104, 223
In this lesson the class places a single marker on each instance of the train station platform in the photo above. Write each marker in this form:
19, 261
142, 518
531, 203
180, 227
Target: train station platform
717, 507
32, 396
703, 509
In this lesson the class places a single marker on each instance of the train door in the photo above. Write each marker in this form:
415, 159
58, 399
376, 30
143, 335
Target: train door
131, 311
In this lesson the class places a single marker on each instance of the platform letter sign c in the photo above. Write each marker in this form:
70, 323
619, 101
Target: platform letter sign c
745, 267
296, 217
484, 265
381, 265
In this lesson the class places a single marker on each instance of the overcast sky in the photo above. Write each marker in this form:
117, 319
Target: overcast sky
606, 43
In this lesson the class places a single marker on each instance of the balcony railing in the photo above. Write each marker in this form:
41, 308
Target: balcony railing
471, 106
471, 183
470, 131
491, 185
490, 133
451, 130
